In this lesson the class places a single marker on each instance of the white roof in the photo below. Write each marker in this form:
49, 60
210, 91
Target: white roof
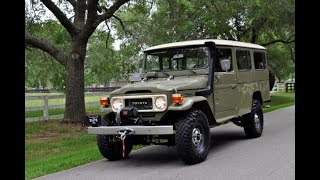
202, 41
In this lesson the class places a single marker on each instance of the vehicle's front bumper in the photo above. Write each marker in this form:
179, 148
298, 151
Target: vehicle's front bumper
138, 130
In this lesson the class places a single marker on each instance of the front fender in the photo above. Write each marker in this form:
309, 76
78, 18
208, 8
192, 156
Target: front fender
186, 104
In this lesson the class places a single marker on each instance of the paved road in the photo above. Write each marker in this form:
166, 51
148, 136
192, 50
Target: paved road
232, 156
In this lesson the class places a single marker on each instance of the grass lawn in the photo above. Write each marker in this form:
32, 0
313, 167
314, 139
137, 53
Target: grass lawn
52, 146
279, 100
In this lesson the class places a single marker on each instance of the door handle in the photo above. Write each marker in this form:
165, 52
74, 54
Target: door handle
217, 78
233, 86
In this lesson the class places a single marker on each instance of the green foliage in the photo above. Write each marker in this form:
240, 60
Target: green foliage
131, 59
101, 60
177, 20
262, 22
40, 67
104, 63
280, 60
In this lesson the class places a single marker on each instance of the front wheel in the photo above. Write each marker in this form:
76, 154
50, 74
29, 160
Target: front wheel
110, 149
193, 137
253, 122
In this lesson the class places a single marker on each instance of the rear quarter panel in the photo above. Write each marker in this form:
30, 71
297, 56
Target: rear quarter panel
249, 82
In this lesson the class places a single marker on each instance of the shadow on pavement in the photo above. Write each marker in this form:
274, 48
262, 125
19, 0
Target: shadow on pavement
157, 155
222, 138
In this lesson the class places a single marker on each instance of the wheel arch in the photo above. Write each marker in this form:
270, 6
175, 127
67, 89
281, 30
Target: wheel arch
205, 108
196, 102
257, 95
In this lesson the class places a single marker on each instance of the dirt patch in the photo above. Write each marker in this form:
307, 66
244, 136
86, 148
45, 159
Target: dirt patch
48, 135
72, 127
50, 130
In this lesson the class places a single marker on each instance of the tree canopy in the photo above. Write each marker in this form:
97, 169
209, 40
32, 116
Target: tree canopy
268, 23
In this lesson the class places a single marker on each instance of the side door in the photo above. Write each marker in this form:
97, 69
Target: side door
245, 80
225, 84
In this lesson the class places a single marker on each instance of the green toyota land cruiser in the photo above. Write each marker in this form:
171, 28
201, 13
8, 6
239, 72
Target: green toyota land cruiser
186, 88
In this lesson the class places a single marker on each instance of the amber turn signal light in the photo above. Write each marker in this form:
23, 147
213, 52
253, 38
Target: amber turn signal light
177, 98
104, 101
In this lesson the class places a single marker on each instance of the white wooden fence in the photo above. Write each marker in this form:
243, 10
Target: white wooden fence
46, 106
279, 87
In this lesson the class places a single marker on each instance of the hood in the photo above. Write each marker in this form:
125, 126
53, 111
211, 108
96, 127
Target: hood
162, 84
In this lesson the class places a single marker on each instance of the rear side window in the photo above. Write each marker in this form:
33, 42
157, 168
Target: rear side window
259, 60
243, 60
221, 55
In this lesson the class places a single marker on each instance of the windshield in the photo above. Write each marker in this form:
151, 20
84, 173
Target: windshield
177, 59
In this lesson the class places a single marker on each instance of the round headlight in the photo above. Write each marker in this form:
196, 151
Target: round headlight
160, 103
116, 104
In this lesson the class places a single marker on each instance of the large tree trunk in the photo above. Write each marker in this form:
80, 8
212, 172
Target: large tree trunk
293, 55
75, 102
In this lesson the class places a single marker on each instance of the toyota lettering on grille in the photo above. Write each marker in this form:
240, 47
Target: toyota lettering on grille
139, 103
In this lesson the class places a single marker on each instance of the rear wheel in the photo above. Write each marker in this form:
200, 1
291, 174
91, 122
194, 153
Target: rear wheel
193, 137
253, 122
272, 78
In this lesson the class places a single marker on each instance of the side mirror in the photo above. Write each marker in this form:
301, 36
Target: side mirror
225, 64
135, 77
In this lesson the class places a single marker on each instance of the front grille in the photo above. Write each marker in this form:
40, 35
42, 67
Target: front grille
140, 104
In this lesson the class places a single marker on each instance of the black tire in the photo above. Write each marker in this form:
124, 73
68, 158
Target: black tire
111, 150
272, 78
108, 148
193, 149
253, 122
